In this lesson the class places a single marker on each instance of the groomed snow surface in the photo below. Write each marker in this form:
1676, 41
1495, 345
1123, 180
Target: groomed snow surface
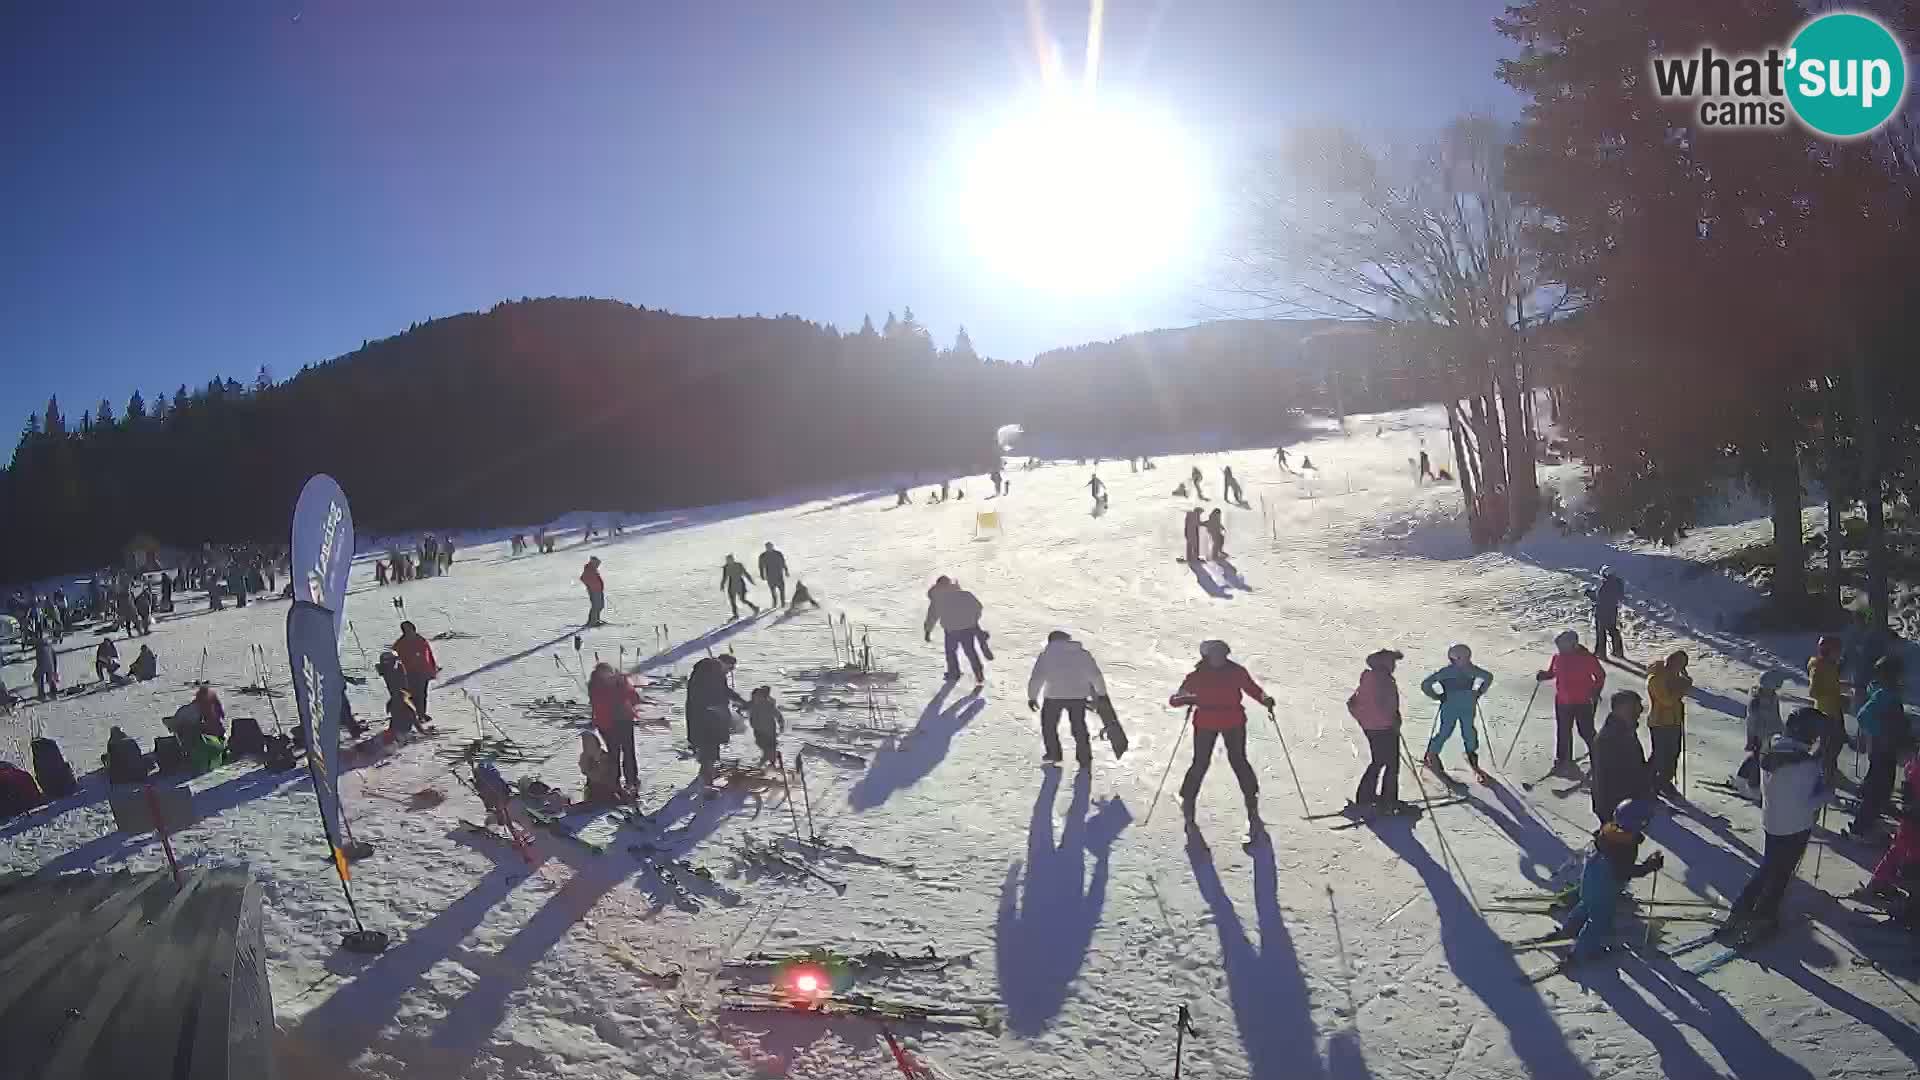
1330, 953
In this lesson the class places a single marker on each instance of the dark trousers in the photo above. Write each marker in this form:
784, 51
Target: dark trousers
417, 689
1236, 740
1605, 631
1875, 788
1193, 547
620, 745
776, 591
737, 597
1566, 720
596, 603
1768, 886
1076, 710
967, 639
1833, 739
1666, 755
1384, 768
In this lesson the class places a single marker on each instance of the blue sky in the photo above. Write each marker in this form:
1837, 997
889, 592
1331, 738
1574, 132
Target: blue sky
196, 190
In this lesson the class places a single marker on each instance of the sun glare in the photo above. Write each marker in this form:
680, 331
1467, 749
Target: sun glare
1070, 193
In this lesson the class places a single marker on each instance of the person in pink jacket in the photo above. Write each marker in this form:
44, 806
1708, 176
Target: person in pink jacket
1376, 705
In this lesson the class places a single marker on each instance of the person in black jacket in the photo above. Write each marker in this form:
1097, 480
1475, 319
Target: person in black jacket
709, 724
1606, 598
1619, 768
773, 571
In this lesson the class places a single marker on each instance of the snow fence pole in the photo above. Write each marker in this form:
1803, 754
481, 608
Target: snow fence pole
1305, 810
1168, 771
1517, 728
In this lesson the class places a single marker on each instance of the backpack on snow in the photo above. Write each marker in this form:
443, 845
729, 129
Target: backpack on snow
50, 768
126, 764
278, 752
168, 757
247, 738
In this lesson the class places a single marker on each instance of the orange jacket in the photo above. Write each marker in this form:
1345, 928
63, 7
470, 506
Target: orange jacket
416, 655
590, 577
1214, 693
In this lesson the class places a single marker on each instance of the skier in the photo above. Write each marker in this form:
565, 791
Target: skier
1095, 487
1212, 691
1376, 706
380, 571
1829, 696
597, 767
734, 580
1892, 868
1620, 771
1194, 479
1883, 727
596, 590
1792, 791
1192, 529
416, 656
614, 699
902, 497
1280, 455
1230, 486
1306, 464
1606, 599
801, 596
709, 723
1065, 676
773, 571
1217, 533
1609, 867
767, 723
1578, 678
1667, 687
1458, 688
958, 613
1763, 723
1426, 465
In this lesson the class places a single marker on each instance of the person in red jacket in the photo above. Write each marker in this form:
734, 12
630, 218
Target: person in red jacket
614, 700
416, 658
1212, 690
596, 590
1376, 705
1578, 679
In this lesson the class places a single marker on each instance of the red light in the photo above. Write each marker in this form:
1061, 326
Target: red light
807, 984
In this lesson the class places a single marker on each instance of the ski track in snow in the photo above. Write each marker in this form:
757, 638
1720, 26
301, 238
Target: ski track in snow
1352, 953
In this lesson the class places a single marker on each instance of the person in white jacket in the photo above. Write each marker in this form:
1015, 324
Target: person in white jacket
958, 613
1793, 788
1064, 678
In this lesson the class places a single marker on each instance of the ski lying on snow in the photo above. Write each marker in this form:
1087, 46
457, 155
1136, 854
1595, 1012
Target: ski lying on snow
557, 827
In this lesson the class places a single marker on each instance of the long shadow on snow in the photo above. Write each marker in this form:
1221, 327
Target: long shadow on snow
699, 644
1712, 869
1746, 1051
1486, 965
1206, 582
1232, 575
915, 755
1047, 920
1545, 851
505, 660
1272, 1006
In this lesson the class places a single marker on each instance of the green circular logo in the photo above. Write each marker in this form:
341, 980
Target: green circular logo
1847, 75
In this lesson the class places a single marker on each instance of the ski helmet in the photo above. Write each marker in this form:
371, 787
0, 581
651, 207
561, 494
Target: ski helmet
1213, 647
1566, 639
1633, 814
1459, 654
1805, 724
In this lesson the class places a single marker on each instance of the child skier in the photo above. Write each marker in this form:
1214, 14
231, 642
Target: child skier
1217, 535
602, 776
1792, 791
1578, 678
1458, 688
1230, 486
1609, 867
1905, 852
1376, 706
1829, 696
767, 723
1763, 723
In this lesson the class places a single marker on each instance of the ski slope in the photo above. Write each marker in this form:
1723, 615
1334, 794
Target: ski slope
1343, 953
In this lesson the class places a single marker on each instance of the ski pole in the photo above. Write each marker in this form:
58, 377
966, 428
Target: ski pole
800, 770
792, 810
1183, 1024
1446, 852
1305, 810
1168, 771
1525, 714
363, 649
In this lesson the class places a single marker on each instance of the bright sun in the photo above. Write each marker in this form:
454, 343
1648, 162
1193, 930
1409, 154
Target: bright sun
1069, 193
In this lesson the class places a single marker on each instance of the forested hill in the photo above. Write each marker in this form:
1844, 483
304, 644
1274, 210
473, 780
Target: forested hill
542, 406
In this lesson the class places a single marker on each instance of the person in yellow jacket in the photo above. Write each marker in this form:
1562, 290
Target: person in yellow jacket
1829, 695
1667, 687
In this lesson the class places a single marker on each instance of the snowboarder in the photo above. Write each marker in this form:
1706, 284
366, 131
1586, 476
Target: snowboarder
1230, 486
709, 721
1458, 688
1191, 526
1065, 677
1667, 687
1212, 690
416, 656
1426, 465
1193, 478
734, 580
958, 613
1792, 791
1578, 678
596, 590
1883, 727
1829, 696
597, 767
1376, 706
767, 722
1609, 867
773, 571
1217, 534
614, 700
801, 596
1619, 768
1763, 723
1606, 598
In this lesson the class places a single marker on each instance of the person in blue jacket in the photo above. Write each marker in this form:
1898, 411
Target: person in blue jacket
1609, 867
1457, 687
1884, 729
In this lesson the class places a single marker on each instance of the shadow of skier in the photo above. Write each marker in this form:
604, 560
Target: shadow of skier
913, 757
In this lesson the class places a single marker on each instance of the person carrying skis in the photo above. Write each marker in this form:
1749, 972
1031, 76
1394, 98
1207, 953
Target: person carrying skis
1194, 479
1458, 688
416, 656
1883, 726
958, 613
1793, 788
1376, 706
734, 580
1065, 677
1191, 527
764, 717
709, 721
1830, 697
1620, 770
614, 700
1610, 866
1667, 687
1606, 598
1212, 691
1217, 535
596, 590
1578, 678
1763, 723
773, 571
1230, 486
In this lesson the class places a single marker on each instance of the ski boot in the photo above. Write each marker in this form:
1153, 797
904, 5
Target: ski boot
1480, 774
1256, 828
1432, 764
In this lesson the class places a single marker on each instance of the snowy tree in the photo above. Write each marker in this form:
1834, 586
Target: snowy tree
866, 328
136, 407
891, 328
54, 424
264, 380
963, 347
103, 413
180, 399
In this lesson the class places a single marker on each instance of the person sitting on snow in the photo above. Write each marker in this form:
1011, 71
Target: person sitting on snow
1609, 867
801, 596
146, 665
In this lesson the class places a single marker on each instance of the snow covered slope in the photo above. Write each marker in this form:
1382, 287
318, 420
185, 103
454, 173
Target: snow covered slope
1331, 953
